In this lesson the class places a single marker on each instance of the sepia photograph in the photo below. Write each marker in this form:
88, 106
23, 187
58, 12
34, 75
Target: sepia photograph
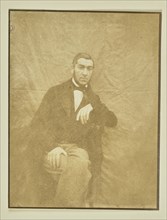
84, 109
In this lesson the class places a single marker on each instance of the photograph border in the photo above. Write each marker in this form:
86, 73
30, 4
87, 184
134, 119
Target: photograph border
9, 213
158, 92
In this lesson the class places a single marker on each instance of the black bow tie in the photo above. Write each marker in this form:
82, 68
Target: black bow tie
80, 88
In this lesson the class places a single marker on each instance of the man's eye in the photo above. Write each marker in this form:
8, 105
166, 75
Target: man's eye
81, 67
90, 68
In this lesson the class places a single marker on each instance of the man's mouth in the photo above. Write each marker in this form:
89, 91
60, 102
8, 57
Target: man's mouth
83, 79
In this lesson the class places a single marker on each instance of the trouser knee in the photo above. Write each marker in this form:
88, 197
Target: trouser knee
80, 167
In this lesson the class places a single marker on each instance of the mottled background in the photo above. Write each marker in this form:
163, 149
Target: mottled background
125, 49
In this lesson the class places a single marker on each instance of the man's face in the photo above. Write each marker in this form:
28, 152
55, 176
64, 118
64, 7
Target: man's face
83, 71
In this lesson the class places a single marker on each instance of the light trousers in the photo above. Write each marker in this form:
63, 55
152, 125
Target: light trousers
71, 177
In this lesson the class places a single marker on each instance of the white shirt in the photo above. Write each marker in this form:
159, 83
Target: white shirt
78, 96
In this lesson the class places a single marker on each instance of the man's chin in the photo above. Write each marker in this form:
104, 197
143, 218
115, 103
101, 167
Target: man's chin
83, 82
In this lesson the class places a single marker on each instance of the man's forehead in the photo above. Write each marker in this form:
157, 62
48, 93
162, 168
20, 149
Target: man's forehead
85, 62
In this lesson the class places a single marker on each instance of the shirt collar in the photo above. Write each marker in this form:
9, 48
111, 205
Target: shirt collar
76, 84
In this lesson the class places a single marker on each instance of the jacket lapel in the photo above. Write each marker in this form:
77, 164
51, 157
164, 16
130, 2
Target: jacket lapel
67, 98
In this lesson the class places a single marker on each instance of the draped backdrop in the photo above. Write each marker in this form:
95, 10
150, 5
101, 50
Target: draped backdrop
125, 48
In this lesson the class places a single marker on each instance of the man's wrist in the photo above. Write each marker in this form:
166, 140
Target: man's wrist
91, 107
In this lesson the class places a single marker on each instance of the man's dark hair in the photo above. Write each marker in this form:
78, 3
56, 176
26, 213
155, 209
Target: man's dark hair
82, 55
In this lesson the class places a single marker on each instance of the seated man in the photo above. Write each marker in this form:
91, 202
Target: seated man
65, 140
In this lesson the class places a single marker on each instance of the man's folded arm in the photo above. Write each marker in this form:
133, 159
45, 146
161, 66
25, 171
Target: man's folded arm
101, 114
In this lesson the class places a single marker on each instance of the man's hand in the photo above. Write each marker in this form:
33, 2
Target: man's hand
83, 114
54, 156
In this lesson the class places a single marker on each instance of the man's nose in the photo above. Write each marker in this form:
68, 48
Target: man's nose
85, 72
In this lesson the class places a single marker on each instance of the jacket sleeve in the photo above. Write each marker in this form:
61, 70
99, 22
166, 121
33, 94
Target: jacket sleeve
101, 114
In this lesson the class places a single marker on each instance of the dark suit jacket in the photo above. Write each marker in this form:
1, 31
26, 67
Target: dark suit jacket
55, 122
